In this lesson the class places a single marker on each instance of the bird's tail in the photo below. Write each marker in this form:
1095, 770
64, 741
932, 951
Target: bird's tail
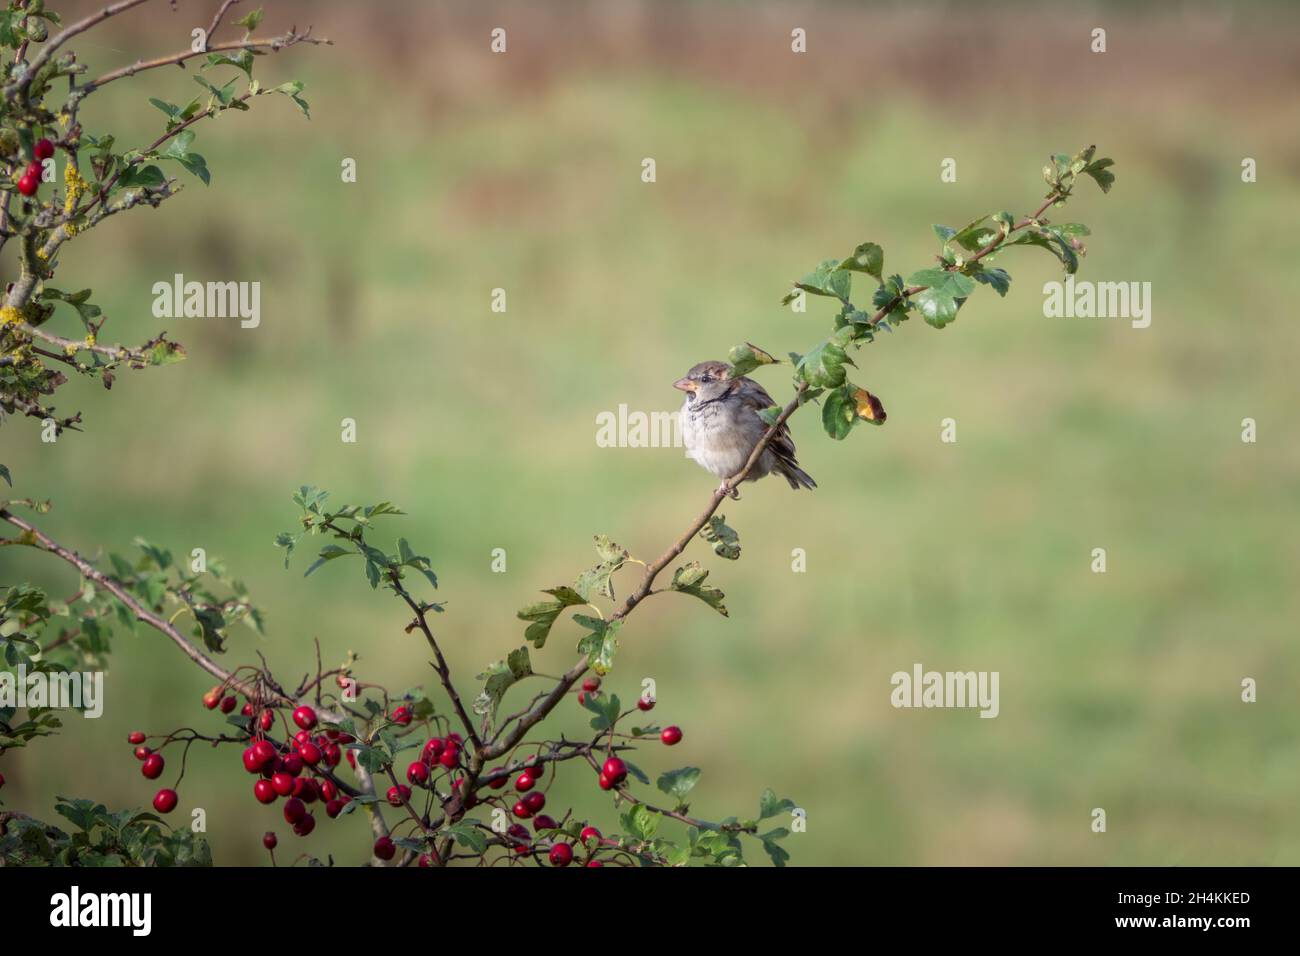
797, 477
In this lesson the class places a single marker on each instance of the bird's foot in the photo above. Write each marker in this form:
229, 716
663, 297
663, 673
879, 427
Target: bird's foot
732, 493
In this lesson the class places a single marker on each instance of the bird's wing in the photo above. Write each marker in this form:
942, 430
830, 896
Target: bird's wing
756, 397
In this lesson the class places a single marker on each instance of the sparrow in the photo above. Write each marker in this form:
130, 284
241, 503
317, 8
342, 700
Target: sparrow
721, 426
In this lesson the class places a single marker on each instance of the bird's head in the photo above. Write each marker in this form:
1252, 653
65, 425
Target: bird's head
706, 382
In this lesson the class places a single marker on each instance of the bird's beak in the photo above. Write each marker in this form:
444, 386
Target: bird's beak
685, 384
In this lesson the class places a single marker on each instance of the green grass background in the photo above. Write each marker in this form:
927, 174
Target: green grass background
1118, 691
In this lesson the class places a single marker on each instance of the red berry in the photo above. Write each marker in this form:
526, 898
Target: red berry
645, 703
136, 737
304, 717
246, 710
384, 848
305, 788
402, 715
152, 766
524, 782
544, 822
164, 801
521, 810
333, 755
398, 795
606, 783
2, 780
294, 810
582, 698
589, 833
264, 792
292, 764
591, 684
594, 863
269, 841
282, 784
251, 763
498, 782
455, 738
212, 698
535, 770
309, 753
417, 772
265, 720
561, 854
302, 737
449, 758
43, 149
142, 753
27, 185
305, 825
535, 801
432, 747
671, 735
425, 861
264, 751
228, 704
333, 808
327, 790
615, 769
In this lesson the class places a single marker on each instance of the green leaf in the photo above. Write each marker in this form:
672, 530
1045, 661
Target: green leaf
4, 473
241, 59
251, 21
87, 311
600, 644
678, 783
745, 358
596, 580
827, 279
774, 850
771, 414
867, 257
944, 295
725, 541
500, 677
1099, 170
690, 578
327, 553
943, 232
823, 366
543, 613
605, 708
468, 836
977, 234
641, 821
997, 279
1056, 243
170, 109
838, 416
770, 806
166, 353
137, 175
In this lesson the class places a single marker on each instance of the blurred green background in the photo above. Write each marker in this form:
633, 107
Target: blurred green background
522, 171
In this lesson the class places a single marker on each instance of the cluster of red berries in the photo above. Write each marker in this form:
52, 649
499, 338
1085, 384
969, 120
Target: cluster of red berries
295, 774
30, 180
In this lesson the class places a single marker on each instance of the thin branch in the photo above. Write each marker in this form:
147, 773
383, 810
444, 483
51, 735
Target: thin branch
274, 44
81, 26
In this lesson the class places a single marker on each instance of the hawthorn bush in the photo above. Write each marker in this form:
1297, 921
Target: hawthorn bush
441, 776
